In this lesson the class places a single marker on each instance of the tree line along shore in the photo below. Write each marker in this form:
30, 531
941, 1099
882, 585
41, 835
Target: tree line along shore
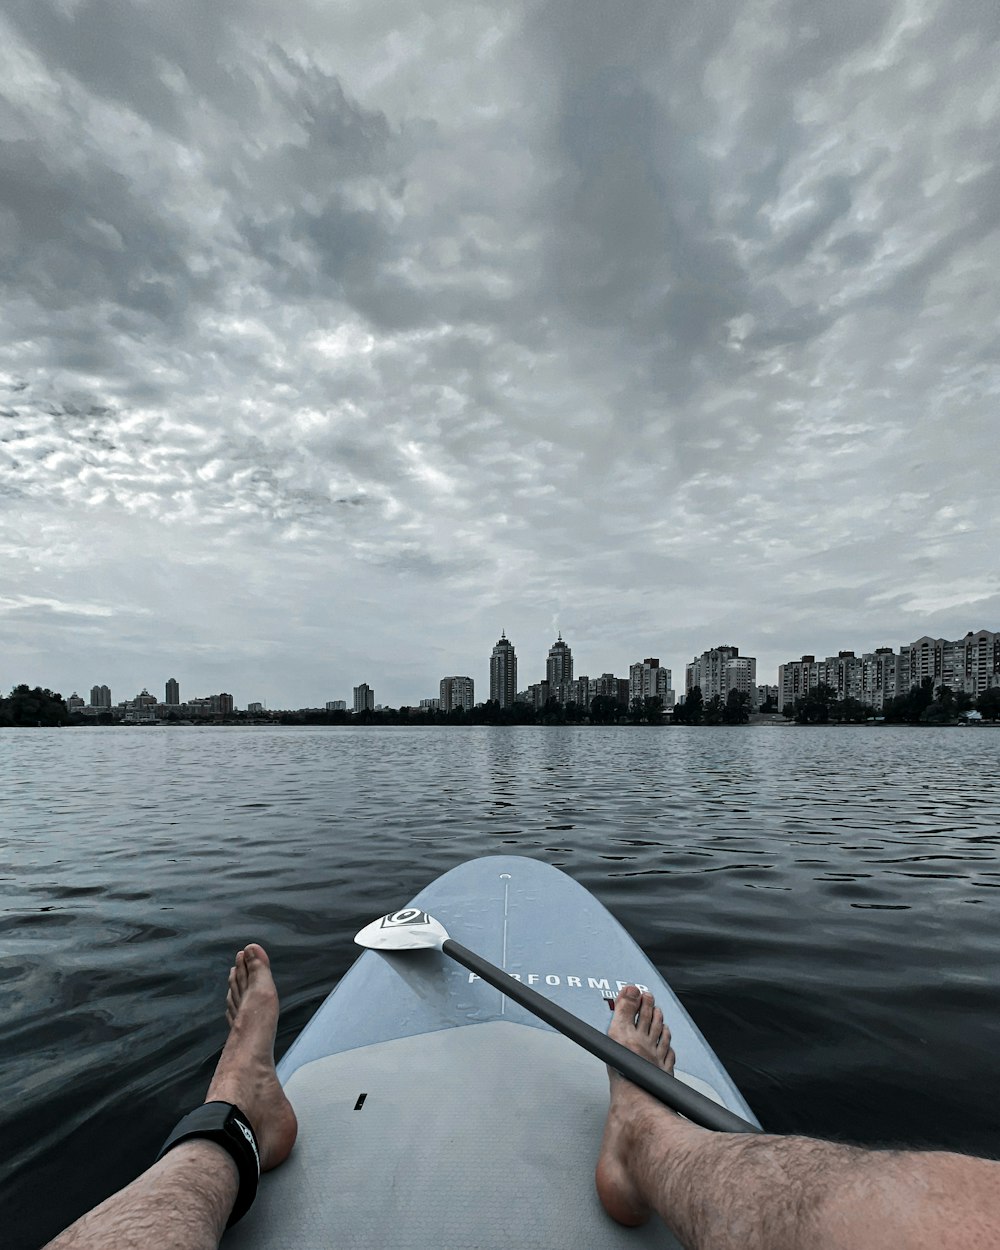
31, 707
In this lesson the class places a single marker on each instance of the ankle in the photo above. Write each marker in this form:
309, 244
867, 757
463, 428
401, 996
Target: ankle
632, 1119
646, 1121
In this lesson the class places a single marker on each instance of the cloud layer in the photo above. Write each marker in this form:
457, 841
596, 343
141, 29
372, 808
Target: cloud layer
335, 340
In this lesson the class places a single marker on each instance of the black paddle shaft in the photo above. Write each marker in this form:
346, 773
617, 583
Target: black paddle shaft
668, 1089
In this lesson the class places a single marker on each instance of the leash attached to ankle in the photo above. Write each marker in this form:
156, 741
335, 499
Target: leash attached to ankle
226, 1125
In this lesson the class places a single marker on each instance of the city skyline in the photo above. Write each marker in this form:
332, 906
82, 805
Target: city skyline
743, 673
328, 328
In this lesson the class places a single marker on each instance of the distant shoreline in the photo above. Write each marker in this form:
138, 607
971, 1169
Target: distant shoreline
416, 723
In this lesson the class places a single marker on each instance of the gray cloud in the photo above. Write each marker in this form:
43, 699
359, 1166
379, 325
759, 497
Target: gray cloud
332, 335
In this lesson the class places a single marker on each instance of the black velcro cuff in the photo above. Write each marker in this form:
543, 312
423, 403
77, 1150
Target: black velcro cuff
225, 1124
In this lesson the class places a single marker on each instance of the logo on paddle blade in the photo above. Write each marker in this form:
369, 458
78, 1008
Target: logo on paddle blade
405, 918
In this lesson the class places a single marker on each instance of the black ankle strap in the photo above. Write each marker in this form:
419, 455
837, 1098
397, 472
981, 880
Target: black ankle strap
225, 1124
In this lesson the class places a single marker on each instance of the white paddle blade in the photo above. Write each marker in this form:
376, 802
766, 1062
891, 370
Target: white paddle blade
408, 930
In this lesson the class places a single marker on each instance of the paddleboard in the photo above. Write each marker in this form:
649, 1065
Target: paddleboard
435, 1113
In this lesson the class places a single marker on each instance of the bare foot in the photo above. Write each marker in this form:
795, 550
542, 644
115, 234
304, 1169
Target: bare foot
245, 1074
638, 1024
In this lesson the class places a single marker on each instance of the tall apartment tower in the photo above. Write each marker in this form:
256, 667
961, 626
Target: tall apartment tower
720, 670
977, 662
100, 696
173, 692
648, 680
796, 679
457, 692
559, 670
503, 672
364, 698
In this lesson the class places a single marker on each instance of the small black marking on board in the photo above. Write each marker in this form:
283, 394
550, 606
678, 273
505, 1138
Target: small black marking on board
361, 1102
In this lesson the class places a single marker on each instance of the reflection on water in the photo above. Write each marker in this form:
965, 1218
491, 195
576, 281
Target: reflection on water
823, 899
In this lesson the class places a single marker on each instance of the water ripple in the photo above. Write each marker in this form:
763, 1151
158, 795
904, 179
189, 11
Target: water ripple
814, 895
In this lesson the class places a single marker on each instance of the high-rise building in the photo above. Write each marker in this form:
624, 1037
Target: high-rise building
74, 702
720, 670
929, 657
503, 672
796, 679
610, 687
100, 696
457, 692
968, 665
851, 676
579, 691
537, 695
880, 677
977, 662
872, 679
336, 705
649, 681
559, 670
173, 692
845, 673
364, 698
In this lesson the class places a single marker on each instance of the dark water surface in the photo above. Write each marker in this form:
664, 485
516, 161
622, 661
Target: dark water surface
825, 901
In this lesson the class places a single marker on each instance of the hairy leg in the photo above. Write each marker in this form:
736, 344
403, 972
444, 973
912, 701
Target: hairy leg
184, 1201
181, 1203
733, 1192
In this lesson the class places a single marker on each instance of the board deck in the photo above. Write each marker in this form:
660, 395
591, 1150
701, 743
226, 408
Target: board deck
479, 1125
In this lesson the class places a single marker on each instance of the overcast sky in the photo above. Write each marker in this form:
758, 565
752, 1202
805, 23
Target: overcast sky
337, 337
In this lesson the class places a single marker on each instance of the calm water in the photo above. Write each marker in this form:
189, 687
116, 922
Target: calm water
824, 901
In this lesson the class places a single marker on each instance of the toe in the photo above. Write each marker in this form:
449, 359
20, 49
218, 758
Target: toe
627, 1004
665, 1056
645, 1022
242, 975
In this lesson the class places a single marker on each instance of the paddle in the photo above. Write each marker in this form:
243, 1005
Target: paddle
412, 929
